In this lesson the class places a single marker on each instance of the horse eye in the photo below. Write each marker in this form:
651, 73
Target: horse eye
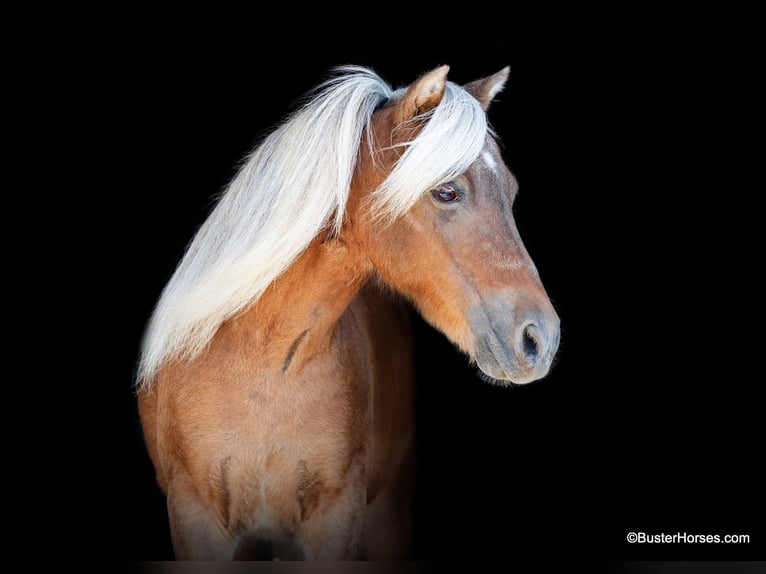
445, 194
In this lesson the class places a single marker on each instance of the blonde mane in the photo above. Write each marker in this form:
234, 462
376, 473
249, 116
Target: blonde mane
292, 187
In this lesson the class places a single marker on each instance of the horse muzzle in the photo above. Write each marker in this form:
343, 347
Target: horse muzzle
515, 342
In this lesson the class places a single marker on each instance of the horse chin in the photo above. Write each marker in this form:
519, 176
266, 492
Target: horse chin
491, 371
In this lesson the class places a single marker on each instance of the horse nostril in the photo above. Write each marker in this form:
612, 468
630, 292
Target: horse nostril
529, 343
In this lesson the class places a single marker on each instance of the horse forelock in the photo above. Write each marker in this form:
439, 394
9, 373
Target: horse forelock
450, 138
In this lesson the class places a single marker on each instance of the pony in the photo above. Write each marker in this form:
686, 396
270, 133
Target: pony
275, 384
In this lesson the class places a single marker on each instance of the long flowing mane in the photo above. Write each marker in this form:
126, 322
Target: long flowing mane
292, 187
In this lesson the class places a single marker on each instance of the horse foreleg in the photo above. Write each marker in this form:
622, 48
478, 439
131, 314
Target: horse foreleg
333, 531
195, 529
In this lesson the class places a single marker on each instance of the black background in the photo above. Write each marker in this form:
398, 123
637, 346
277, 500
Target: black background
617, 128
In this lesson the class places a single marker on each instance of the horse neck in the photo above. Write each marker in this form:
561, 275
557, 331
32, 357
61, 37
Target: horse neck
296, 316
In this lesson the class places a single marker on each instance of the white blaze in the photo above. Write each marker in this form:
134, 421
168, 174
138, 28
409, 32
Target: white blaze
489, 160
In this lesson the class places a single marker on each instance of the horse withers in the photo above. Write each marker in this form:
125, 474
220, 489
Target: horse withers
276, 385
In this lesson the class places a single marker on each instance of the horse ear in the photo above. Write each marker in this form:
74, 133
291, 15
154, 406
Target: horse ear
423, 95
487, 88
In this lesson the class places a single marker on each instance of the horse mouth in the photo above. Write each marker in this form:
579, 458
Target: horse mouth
499, 364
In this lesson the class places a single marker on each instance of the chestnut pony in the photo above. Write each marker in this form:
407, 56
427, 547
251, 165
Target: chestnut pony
275, 384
